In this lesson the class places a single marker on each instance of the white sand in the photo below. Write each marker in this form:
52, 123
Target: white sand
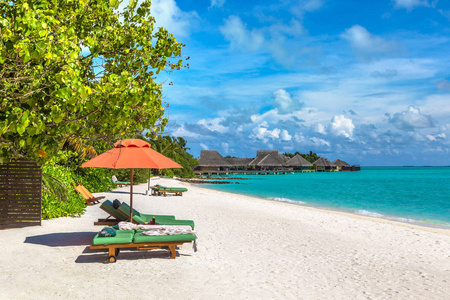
248, 249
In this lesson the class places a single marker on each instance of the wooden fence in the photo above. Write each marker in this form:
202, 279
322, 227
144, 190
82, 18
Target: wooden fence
20, 194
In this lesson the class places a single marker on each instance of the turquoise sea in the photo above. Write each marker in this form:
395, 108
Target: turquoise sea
407, 194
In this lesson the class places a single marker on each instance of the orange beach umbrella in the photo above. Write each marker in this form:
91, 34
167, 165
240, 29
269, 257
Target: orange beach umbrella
131, 154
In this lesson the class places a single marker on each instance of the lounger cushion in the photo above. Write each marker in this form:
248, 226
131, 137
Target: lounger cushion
140, 238
176, 222
125, 208
122, 237
108, 207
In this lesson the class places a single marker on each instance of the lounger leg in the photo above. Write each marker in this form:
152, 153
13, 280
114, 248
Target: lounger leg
172, 251
112, 251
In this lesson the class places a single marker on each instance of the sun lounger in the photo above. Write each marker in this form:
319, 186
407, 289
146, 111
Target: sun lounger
119, 183
115, 216
135, 239
162, 190
140, 218
88, 197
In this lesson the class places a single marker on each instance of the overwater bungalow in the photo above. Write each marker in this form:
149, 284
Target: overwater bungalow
324, 165
299, 163
344, 166
340, 164
211, 160
239, 164
269, 160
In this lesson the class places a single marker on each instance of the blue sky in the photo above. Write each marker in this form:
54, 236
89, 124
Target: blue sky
364, 81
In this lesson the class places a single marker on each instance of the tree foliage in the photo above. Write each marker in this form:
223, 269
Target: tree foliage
311, 157
175, 148
79, 69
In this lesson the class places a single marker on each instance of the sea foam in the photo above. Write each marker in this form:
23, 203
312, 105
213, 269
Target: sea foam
286, 200
368, 213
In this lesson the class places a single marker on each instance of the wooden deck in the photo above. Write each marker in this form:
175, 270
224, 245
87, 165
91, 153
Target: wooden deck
250, 172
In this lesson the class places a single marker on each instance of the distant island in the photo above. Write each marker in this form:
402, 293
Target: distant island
211, 162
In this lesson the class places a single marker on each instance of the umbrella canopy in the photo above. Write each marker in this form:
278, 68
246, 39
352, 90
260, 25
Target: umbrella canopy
131, 154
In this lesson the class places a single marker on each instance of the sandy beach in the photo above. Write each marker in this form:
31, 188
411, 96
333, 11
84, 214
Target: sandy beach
248, 248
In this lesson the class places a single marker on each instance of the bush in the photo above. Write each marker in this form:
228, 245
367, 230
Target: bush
59, 198
52, 207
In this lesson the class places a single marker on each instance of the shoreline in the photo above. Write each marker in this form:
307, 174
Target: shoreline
248, 248
441, 229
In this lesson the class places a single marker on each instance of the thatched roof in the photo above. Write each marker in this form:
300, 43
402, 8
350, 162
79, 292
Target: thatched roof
212, 158
298, 161
267, 158
284, 157
323, 162
340, 163
239, 162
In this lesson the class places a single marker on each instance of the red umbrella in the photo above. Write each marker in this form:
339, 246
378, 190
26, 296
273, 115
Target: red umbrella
131, 154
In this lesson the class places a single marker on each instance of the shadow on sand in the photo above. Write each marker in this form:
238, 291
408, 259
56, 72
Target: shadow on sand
101, 256
62, 239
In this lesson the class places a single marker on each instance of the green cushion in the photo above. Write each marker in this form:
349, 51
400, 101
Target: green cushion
172, 189
138, 219
157, 217
122, 237
177, 222
140, 238
109, 208
125, 208
122, 182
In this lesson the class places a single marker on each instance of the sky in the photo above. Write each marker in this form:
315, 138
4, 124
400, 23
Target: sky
364, 81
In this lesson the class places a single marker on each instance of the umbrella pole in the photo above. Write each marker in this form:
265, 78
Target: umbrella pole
149, 174
131, 197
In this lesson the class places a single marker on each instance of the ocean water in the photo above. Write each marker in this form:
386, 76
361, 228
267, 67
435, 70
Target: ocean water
408, 194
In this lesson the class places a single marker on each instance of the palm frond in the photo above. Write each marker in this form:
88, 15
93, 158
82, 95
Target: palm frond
54, 187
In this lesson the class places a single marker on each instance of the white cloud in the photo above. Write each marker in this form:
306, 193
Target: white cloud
168, 15
284, 103
412, 119
264, 134
319, 128
319, 142
440, 136
204, 147
235, 31
306, 6
368, 45
341, 126
278, 39
182, 131
213, 124
217, 3
285, 136
410, 4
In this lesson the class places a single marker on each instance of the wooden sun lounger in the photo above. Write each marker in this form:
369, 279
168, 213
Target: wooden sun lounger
114, 216
88, 197
114, 249
163, 191
132, 239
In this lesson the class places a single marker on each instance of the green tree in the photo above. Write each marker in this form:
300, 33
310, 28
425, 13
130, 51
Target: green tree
175, 148
79, 69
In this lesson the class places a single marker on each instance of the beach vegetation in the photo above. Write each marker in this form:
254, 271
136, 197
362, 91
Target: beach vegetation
176, 149
310, 157
59, 198
79, 70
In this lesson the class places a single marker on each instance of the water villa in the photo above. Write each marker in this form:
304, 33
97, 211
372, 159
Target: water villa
211, 162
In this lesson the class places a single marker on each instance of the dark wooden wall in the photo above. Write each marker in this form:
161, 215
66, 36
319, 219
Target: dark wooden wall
20, 194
